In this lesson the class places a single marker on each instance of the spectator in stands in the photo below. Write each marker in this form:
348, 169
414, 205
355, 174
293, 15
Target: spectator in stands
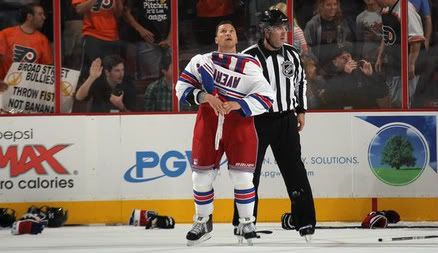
209, 13
391, 47
300, 42
150, 20
100, 29
327, 30
315, 83
349, 83
110, 92
9, 10
24, 43
425, 61
434, 14
423, 8
72, 36
368, 31
158, 95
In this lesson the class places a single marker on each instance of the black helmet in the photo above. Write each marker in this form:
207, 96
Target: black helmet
273, 17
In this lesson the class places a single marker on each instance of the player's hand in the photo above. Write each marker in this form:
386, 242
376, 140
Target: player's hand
301, 121
96, 68
215, 103
231, 106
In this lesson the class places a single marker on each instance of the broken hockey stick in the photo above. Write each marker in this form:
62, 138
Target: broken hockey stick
405, 238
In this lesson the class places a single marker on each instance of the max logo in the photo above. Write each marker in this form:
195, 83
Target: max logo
32, 157
24, 54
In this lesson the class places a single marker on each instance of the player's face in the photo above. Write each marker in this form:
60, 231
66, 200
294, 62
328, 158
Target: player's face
116, 74
277, 35
226, 36
38, 17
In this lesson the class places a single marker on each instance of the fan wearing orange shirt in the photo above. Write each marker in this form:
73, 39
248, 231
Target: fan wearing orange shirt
24, 43
100, 29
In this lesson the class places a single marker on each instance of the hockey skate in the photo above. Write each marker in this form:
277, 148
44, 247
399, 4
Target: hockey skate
307, 232
246, 230
201, 230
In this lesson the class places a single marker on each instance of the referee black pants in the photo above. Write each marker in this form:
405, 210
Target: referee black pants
280, 131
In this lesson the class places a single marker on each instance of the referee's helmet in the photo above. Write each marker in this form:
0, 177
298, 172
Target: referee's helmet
273, 17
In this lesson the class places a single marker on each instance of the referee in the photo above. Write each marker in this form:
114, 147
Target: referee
282, 67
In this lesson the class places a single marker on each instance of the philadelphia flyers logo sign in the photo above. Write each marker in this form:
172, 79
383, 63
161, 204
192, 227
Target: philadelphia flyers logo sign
24, 54
389, 35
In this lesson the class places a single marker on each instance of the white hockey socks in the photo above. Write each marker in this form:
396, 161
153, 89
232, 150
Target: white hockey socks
244, 192
203, 192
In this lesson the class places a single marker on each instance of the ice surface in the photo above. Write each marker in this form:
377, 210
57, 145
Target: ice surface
126, 239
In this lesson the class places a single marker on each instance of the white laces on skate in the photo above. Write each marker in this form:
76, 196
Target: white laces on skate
199, 227
246, 230
243, 228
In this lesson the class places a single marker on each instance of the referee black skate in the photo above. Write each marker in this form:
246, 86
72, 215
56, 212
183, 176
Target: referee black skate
279, 128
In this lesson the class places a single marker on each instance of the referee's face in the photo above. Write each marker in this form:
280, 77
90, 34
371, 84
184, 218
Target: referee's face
277, 35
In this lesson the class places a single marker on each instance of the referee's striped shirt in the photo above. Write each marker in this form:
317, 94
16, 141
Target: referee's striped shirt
285, 72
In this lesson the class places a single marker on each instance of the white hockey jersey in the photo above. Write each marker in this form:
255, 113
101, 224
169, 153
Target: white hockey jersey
234, 77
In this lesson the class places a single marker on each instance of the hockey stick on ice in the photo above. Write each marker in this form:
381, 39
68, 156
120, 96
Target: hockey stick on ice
263, 232
405, 238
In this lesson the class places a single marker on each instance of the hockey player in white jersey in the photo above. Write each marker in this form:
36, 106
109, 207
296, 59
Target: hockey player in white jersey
229, 88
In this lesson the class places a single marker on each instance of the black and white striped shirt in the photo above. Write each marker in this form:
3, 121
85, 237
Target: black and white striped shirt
284, 70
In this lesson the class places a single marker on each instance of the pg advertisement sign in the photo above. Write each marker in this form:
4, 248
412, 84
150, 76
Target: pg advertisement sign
32, 88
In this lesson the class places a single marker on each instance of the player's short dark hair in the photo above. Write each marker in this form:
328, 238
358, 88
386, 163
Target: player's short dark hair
110, 61
224, 22
25, 10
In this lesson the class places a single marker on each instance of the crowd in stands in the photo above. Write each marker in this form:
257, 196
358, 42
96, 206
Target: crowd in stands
122, 48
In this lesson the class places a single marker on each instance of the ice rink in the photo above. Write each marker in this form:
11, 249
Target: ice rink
125, 239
